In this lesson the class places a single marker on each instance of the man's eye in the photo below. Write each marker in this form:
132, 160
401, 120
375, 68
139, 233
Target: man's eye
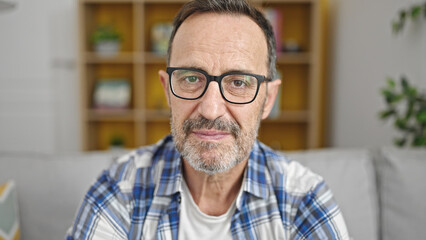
191, 79
238, 83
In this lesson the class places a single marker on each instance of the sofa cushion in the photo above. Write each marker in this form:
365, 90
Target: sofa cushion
9, 219
402, 193
50, 188
351, 177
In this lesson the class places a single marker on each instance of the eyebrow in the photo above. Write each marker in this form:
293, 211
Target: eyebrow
227, 70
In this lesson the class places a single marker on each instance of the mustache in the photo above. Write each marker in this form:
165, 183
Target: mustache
217, 124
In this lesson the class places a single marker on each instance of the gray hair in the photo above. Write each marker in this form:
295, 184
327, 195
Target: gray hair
238, 7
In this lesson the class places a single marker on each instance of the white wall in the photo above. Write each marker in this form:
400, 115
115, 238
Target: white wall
38, 105
364, 52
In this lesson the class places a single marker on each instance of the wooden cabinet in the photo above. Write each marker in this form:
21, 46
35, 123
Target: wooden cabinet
297, 125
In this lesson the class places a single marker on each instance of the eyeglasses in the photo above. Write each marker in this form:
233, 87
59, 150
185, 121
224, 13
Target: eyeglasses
235, 87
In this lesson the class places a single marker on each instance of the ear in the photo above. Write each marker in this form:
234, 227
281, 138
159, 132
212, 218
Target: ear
273, 88
164, 78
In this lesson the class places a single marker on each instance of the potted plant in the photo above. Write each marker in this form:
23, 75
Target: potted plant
106, 40
116, 142
405, 104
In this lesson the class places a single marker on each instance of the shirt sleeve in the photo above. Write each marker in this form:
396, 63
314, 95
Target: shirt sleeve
318, 216
104, 213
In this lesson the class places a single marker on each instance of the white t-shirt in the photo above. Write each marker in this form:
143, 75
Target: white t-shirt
194, 224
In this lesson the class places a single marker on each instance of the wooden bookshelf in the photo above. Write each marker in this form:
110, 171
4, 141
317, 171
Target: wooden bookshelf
298, 125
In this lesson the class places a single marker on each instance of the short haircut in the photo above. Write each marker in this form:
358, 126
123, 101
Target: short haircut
237, 7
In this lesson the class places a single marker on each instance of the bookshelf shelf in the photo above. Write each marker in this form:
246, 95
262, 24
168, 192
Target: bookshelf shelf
157, 115
153, 58
294, 58
96, 115
162, 1
298, 124
123, 57
290, 116
107, 1
289, 1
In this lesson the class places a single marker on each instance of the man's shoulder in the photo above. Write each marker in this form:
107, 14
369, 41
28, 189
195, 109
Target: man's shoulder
304, 194
289, 174
145, 162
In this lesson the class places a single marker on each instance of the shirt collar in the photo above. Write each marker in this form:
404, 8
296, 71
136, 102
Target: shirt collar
255, 180
171, 174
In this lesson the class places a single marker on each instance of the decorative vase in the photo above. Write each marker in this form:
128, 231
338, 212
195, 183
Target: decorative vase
107, 48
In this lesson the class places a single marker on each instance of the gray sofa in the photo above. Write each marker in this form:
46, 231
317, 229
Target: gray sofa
382, 192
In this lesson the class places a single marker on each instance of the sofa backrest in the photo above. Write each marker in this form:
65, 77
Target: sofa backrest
402, 185
351, 177
50, 189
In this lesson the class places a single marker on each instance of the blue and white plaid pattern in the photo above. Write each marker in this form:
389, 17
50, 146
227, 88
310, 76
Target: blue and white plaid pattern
139, 198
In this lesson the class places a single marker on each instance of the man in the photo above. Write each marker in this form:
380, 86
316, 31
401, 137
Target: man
211, 178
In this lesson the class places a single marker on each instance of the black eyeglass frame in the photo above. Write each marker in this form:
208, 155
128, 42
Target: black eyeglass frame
218, 79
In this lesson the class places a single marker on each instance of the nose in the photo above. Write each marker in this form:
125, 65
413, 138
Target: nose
212, 104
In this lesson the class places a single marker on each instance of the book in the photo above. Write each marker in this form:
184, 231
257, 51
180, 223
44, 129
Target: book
276, 108
160, 36
275, 18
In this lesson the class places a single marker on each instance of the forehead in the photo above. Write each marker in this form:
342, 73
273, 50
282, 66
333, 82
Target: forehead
220, 42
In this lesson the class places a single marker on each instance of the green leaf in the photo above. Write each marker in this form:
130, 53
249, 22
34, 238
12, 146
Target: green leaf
410, 107
396, 26
412, 130
390, 82
421, 116
398, 98
419, 141
389, 95
400, 142
386, 113
402, 15
415, 12
401, 124
412, 92
404, 83
390, 99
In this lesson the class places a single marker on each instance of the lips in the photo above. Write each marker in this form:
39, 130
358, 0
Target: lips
211, 135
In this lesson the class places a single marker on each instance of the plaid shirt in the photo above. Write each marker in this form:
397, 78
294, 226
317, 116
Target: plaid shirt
139, 198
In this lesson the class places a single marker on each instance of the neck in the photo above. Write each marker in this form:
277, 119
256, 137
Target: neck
214, 194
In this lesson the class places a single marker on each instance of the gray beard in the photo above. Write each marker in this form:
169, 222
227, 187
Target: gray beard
212, 158
227, 159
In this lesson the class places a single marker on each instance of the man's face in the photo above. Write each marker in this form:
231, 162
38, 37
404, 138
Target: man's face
212, 134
